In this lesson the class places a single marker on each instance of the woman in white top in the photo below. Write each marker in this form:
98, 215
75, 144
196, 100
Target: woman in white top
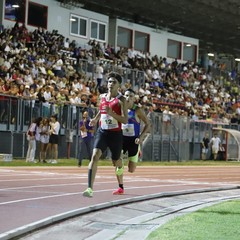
31, 132
53, 140
44, 131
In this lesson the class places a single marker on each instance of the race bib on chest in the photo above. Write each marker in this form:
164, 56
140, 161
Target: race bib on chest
128, 130
108, 122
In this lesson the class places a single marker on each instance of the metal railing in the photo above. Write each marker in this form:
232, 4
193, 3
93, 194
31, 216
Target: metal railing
177, 139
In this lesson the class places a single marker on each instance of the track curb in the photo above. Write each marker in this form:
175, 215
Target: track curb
26, 229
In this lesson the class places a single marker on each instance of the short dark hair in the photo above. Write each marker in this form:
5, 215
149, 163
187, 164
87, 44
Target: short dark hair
55, 116
116, 76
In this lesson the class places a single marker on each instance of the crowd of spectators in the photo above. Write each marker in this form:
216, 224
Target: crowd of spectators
51, 68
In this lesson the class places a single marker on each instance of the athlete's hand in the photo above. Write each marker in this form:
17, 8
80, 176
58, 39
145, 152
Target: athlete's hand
109, 111
138, 141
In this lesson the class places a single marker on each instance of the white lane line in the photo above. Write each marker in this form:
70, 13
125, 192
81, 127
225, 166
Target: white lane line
127, 181
79, 176
36, 173
72, 184
30, 173
54, 185
193, 180
42, 179
38, 198
43, 173
40, 186
79, 193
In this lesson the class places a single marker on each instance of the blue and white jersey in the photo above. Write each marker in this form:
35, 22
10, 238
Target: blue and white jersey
132, 128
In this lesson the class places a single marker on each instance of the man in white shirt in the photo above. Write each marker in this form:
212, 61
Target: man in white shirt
166, 119
99, 75
155, 74
46, 105
28, 79
215, 143
57, 67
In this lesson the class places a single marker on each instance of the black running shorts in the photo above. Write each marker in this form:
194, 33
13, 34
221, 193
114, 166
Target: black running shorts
109, 139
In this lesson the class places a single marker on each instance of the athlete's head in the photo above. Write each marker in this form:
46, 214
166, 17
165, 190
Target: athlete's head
116, 76
130, 96
114, 81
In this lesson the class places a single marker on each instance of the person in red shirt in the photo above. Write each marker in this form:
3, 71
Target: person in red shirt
4, 89
112, 113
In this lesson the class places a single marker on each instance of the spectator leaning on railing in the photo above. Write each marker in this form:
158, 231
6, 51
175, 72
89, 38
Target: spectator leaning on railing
39, 57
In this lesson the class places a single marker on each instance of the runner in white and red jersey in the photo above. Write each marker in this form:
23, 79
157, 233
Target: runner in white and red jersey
112, 113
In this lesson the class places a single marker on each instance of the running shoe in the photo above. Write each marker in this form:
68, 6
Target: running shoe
88, 192
119, 171
119, 191
54, 161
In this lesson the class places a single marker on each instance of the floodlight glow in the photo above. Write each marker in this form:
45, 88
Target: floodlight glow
211, 54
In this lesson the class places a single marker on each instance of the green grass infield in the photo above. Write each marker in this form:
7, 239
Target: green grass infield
218, 222
104, 162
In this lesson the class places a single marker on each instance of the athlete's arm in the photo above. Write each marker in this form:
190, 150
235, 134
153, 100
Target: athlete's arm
147, 125
94, 120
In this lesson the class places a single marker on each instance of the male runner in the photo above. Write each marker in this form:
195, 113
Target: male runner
112, 113
132, 137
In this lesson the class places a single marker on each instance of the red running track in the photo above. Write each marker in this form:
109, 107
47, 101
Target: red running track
31, 194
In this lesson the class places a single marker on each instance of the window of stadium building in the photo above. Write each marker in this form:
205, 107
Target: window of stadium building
78, 26
174, 49
189, 52
141, 41
37, 15
98, 31
124, 37
15, 12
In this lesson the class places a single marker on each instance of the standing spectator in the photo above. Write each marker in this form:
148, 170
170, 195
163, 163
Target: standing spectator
166, 120
66, 44
57, 67
112, 113
99, 75
37, 137
205, 145
3, 100
131, 56
53, 140
44, 129
155, 74
86, 140
46, 105
215, 143
31, 132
